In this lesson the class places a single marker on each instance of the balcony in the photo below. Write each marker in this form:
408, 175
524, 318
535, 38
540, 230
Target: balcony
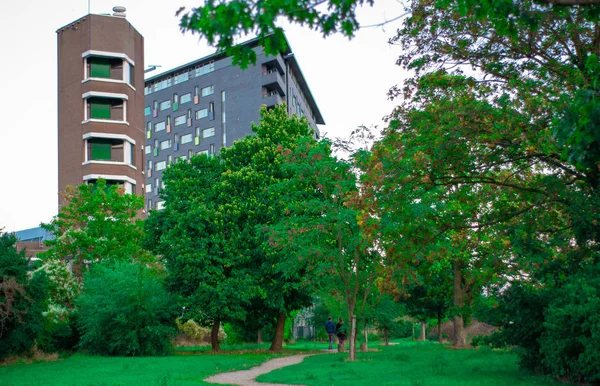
271, 97
274, 62
273, 81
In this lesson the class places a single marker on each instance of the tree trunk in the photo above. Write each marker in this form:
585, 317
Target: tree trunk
277, 343
423, 336
214, 336
259, 337
440, 326
352, 356
366, 338
386, 337
460, 339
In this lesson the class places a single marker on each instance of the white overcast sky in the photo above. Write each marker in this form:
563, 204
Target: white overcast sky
349, 80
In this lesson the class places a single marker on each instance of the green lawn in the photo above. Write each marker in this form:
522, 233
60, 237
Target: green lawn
83, 370
409, 363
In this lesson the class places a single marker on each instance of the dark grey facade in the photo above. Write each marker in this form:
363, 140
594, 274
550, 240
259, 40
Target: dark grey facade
209, 103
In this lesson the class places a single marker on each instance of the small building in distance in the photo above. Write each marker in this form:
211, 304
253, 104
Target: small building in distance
208, 104
32, 240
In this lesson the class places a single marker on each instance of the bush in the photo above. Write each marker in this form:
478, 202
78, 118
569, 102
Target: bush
22, 300
198, 334
495, 340
60, 330
570, 344
125, 310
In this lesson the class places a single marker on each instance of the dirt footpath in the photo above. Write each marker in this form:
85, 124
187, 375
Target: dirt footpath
247, 377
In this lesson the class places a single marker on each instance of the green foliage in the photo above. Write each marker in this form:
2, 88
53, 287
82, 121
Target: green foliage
58, 335
222, 22
570, 344
215, 217
496, 340
132, 316
22, 300
98, 223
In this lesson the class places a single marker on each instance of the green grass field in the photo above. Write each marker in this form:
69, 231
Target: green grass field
409, 363
83, 370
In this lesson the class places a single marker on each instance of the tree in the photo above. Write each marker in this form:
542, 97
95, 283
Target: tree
22, 300
98, 223
323, 224
217, 211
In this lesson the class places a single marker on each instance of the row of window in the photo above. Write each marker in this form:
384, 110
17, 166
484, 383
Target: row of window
177, 100
184, 139
180, 78
184, 119
161, 165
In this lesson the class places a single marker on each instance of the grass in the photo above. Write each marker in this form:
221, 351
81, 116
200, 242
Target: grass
83, 370
409, 363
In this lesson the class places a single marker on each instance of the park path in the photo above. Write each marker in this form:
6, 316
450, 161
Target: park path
247, 377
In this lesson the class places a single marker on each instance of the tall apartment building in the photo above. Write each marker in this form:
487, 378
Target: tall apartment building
101, 102
209, 103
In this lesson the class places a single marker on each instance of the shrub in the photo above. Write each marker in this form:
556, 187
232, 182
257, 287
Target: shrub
22, 300
125, 310
495, 340
570, 344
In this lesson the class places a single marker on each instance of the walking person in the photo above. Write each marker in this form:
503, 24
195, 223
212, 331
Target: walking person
330, 328
340, 330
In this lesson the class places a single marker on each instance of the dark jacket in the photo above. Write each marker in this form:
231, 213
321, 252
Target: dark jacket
330, 327
340, 330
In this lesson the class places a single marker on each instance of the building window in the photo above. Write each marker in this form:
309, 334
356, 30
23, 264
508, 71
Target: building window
186, 98
201, 113
180, 120
148, 188
159, 126
212, 149
205, 152
160, 165
149, 205
205, 69
102, 149
190, 154
148, 149
160, 205
131, 78
105, 108
107, 68
197, 138
206, 91
148, 130
169, 160
196, 95
149, 168
147, 111
208, 132
180, 78
211, 111
175, 102
165, 144
187, 138
182, 158
165, 105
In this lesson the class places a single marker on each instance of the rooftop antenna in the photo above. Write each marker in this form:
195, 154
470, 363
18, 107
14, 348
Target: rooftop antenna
152, 67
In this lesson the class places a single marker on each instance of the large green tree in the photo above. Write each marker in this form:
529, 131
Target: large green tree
212, 231
324, 224
97, 223
22, 300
